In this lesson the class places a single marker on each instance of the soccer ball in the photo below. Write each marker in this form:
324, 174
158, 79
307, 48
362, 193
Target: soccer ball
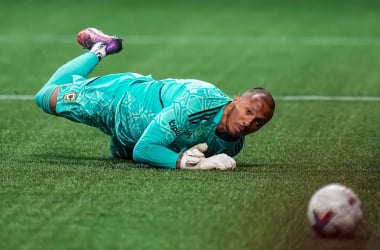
335, 211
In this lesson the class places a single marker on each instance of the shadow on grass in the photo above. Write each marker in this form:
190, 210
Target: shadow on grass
109, 162
80, 161
363, 238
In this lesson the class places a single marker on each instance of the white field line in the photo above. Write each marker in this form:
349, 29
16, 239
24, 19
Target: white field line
203, 40
16, 97
329, 98
277, 98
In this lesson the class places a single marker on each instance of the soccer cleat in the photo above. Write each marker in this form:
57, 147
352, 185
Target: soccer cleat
90, 36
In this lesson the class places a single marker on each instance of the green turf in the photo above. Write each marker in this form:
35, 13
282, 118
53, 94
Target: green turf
59, 188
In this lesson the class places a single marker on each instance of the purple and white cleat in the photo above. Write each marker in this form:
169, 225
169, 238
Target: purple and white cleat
91, 36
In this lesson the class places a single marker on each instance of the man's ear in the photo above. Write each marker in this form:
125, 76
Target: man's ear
237, 98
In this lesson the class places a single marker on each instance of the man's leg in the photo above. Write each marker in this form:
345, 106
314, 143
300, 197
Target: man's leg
81, 65
99, 44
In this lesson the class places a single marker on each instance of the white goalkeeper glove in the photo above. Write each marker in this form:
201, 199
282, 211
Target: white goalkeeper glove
220, 161
194, 158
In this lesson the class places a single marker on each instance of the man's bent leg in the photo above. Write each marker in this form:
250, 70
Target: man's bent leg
82, 66
42, 98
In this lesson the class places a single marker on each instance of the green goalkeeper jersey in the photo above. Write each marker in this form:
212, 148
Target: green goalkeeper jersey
154, 119
162, 118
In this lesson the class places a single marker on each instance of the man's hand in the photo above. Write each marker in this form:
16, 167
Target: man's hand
220, 161
192, 156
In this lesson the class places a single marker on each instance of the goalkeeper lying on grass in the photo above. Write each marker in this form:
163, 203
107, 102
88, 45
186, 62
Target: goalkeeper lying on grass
170, 123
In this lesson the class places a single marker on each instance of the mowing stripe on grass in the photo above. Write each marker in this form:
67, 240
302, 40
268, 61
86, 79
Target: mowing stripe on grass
277, 98
204, 40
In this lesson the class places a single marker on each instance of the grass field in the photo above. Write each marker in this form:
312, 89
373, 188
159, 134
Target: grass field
59, 188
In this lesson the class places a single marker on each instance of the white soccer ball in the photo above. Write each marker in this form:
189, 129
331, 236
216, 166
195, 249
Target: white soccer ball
335, 211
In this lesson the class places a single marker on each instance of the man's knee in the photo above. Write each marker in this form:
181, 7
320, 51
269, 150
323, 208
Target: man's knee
42, 98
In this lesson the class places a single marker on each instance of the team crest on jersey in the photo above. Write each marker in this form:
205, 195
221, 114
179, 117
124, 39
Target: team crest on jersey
70, 97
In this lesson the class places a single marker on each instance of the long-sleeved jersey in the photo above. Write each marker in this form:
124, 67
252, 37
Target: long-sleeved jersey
153, 119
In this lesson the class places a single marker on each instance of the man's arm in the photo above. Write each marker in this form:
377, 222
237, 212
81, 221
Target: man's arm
153, 146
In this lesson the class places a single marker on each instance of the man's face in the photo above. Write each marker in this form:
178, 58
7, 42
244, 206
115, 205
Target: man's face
248, 113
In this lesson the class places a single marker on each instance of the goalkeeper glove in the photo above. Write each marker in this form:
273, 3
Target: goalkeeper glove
219, 161
198, 161
193, 155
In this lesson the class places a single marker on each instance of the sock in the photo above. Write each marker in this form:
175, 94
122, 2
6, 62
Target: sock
99, 49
